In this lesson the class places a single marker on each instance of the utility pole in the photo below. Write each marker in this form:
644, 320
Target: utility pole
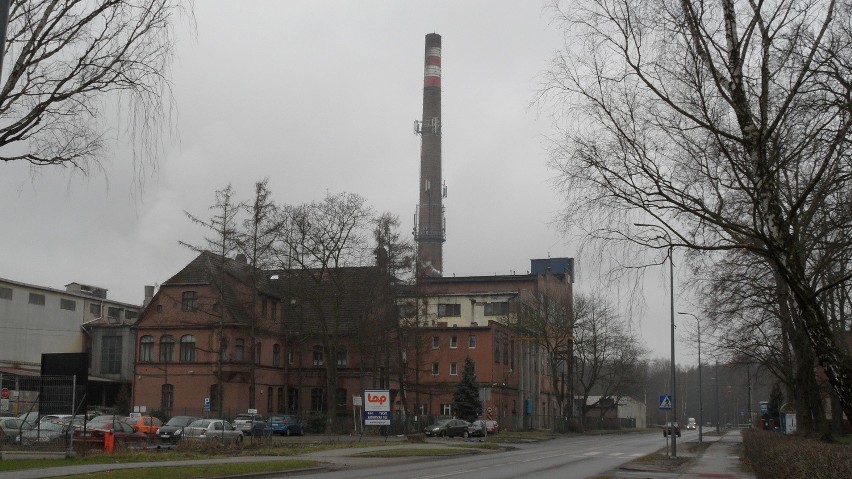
717, 397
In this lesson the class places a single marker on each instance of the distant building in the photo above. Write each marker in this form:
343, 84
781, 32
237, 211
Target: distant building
36, 319
471, 316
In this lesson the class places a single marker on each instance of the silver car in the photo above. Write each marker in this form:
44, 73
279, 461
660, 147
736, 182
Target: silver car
212, 430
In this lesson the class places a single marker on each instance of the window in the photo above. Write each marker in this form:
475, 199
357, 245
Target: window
317, 400
274, 310
436, 369
67, 304
449, 309
276, 355
454, 370
500, 308
447, 409
216, 396
167, 349
318, 359
239, 349
454, 342
280, 407
257, 353
263, 303
216, 307
113, 313
187, 349
95, 309
167, 397
435, 342
291, 357
506, 352
269, 399
471, 341
37, 299
293, 399
189, 301
159, 308
223, 349
497, 349
111, 355
130, 314
340, 395
341, 357
5, 293
146, 349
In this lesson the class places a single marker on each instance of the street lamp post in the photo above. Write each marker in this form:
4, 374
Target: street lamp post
700, 396
671, 277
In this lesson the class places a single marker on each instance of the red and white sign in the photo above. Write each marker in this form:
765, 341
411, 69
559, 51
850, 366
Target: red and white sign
377, 407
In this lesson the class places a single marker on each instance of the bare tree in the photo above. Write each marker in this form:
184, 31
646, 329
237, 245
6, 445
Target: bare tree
606, 354
222, 226
256, 241
728, 123
546, 319
66, 59
319, 242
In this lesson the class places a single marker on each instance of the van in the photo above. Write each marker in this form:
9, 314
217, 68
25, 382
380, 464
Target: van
690, 424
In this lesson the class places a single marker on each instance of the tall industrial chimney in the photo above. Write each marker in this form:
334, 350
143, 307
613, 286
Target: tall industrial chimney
429, 231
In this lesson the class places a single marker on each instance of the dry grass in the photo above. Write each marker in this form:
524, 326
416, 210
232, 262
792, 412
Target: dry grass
771, 455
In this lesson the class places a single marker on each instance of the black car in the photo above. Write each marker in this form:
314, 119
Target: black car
667, 429
171, 431
448, 428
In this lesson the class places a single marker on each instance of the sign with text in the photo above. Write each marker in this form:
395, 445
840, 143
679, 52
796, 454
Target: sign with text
377, 407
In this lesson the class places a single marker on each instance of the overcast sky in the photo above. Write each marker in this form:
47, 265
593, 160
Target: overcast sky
316, 96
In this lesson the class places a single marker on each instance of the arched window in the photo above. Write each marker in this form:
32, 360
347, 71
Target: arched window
239, 349
167, 349
189, 301
276, 355
146, 349
187, 349
167, 397
216, 399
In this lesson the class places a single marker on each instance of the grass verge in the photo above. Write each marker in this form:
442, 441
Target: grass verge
417, 452
200, 471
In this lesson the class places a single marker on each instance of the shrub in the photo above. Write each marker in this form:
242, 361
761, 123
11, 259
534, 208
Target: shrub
772, 455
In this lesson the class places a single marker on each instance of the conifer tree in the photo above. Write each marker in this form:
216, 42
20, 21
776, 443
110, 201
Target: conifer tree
466, 403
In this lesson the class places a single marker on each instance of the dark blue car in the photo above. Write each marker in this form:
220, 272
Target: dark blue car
286, 425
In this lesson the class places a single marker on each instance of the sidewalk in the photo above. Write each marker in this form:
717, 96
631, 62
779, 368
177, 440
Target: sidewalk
721, 459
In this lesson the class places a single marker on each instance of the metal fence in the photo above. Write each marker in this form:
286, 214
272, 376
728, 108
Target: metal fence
35, 397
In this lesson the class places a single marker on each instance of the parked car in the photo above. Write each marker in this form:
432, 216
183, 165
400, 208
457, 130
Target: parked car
475, 429
31, 417
11, 429
212, 429
286, 425
690, 424
45, 432
124, 434
147, 424
448, 428
261, 429
172, 430
667, 429
243, 422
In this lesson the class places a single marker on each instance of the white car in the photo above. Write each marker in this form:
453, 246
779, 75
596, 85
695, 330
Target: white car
212, 430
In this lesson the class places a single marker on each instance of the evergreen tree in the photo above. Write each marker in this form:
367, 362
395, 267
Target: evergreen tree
466, 403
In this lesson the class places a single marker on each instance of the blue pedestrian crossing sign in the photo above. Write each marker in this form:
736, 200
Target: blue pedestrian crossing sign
665, 402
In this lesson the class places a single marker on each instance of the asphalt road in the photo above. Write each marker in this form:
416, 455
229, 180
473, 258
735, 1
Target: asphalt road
569, 457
